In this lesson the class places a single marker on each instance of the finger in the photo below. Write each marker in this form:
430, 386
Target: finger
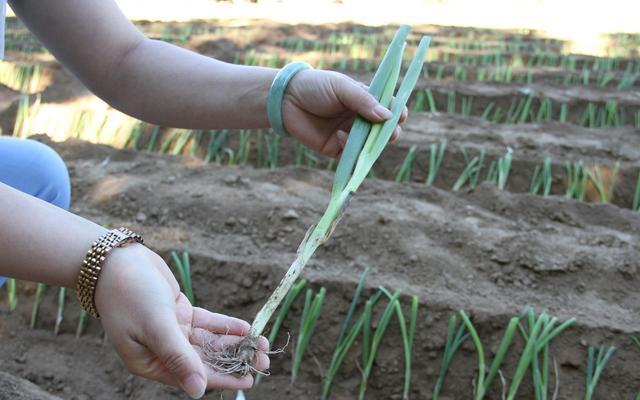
165, 339
404, 115
216, 380
396, 134
332, 146
358, 99
405, 112
219, 323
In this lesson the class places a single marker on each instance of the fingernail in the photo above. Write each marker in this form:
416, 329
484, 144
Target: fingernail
382, 112
194, 385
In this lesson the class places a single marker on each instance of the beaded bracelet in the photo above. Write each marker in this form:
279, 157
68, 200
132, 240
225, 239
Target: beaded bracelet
276, 94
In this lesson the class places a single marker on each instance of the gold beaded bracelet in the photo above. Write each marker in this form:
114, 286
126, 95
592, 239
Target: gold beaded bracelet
92, 265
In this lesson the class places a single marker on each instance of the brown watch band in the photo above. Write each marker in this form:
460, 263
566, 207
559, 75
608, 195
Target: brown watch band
93, 262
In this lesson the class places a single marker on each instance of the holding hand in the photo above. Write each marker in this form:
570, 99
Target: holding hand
154, 329
318, 104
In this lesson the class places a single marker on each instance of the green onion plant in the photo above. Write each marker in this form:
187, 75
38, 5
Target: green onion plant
310, 314
471, 171
168, 141
541, 331
154, 138
82, 323
485, 378
364, 145
436, 155
408, 334
595, 366
12, 296
40, 287
183, 265
184, 137
371, 343
595, 176
542, 178
62, 294
576, 179
217, 142
404, 172
284, 311
345, 337
455, 338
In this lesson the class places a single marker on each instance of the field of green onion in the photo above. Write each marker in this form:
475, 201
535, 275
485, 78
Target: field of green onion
492, 253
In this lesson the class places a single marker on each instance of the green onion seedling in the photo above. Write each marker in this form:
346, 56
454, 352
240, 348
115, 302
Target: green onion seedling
134, 136
12, 297
408, 333
451, 102
541, 331
284, 311
364, 145
455, 338
564, 112
242, 156
21, 116
404, 172
431, 100
216, 144
467, 104
499, 170
471, 171
40, 287
540, 375
310, 314
545, 111
371, 344
82, 323
487, 111
181, 142
183, 265
154, 138
195, 143
436, 155
486, 378
576, 180
596, 178
595, 366
635, 341
418, 104
166, 144
542, 178
62, 294
345, 339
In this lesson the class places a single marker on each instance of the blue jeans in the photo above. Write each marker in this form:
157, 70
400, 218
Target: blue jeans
36, 169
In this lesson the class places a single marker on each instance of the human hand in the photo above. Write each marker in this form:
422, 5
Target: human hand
319, 104
154, 329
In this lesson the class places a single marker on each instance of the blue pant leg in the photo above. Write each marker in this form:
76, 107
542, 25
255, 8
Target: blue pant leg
36, 169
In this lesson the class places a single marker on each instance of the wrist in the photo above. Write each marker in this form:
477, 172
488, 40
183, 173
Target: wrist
95, 261
277, 92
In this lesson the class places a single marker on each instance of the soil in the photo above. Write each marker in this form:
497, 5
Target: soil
489, 252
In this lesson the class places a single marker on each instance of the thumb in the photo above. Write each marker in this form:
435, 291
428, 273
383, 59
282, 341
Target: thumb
356, 97
177, 355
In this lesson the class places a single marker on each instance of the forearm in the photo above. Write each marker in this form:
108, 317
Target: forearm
151, 80
170, 86
41, 242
